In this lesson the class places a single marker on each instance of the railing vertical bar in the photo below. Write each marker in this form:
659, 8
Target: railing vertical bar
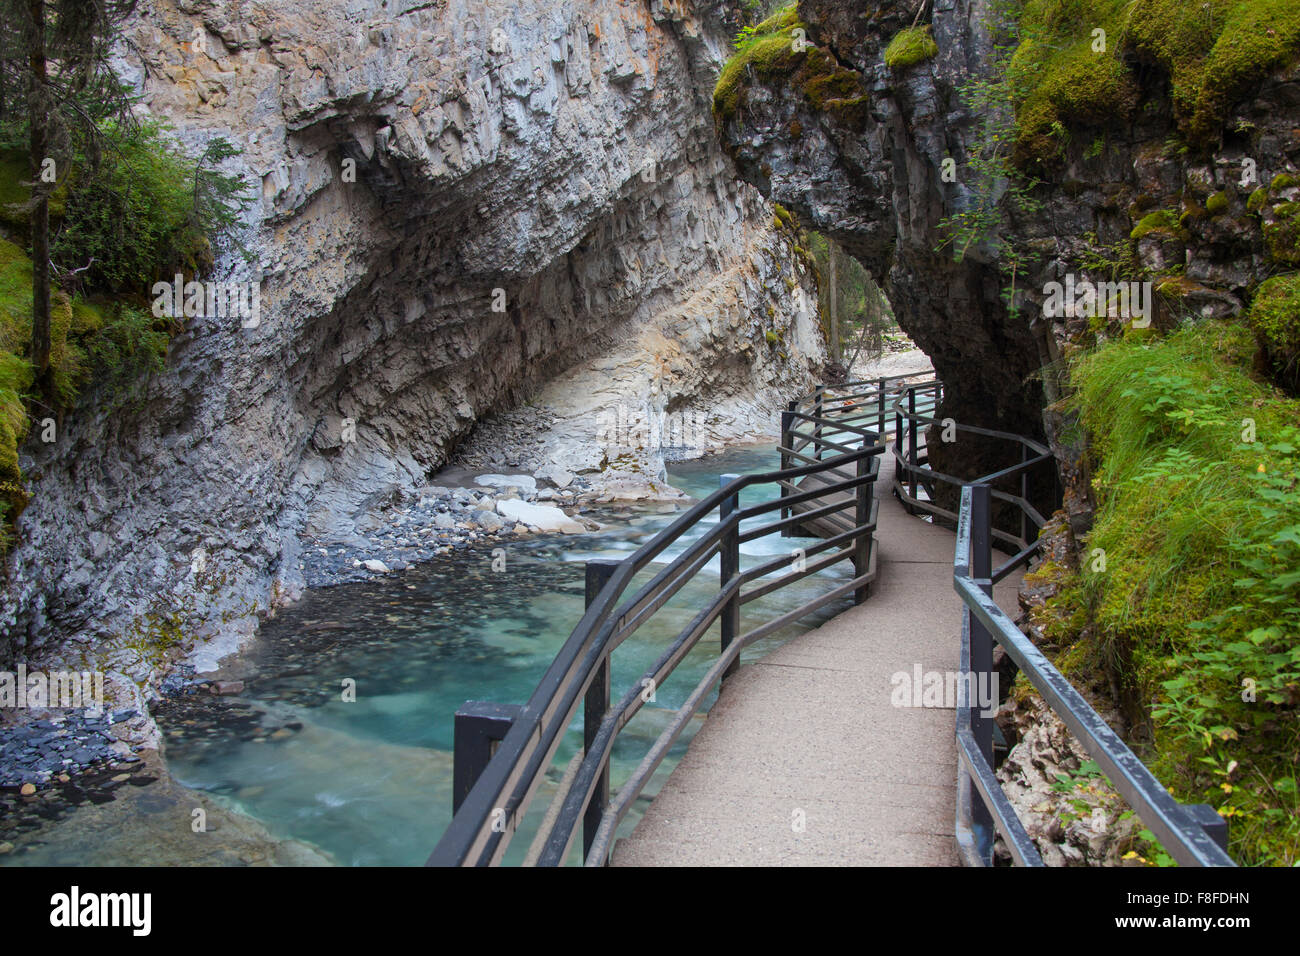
862, 544
817, 429
981, 657
595, 705
880, 410
787, 442
911, 440
729, 563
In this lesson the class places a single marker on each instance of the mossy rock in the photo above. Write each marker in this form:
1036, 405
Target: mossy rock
767, 48
1274, 317
783, 217
1218, 204
909, 47
1215, 54
1283, 181
1282, 235
1162, 222
773, 54
1257, 199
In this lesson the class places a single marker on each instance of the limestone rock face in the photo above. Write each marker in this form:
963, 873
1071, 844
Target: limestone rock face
456, 202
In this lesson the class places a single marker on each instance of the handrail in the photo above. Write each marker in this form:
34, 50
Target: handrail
913, 472
504, 785
1193, 835
503, 788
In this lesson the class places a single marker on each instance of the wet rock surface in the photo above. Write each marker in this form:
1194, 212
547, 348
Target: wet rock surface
62, 743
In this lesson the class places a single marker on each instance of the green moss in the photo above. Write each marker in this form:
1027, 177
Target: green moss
1282, 234
1214, 52
765, 48
1217, 204
1160, 222
783, 218
1189, 506
909, 47
1257, 199
1274, 317
768, 52
1283, 181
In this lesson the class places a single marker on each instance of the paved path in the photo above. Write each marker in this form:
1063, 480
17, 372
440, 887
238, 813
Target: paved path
808, 733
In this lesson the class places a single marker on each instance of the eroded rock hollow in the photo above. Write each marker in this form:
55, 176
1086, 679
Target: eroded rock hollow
458, 203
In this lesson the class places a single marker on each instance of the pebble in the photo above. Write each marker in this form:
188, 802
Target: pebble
27, 789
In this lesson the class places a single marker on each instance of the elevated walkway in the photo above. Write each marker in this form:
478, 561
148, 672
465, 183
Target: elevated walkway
804, 759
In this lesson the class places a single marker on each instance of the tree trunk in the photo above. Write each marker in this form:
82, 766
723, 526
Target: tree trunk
834, 321
38, 117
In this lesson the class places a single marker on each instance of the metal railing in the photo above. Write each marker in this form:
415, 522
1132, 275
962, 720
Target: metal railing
502, 754
1194, 835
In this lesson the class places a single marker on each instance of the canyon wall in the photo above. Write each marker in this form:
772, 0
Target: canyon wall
457, 203
879, 157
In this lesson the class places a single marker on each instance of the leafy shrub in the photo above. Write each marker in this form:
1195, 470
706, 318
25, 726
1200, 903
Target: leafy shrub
145, 213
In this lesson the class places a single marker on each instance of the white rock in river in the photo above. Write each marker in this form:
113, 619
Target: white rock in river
557, 475
377, 566
544, 517
525, 483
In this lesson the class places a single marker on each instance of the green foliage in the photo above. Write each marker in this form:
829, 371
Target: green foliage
772, 51
1200, 597
911, 45
1161, 222
141, 212
145, 212
1274, 317
863, 312
994, 185
1214, 52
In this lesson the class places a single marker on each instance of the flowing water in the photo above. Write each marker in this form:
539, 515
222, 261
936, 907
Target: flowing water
368, 781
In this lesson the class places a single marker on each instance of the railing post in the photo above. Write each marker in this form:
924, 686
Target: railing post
479, 726
594, 707
981, 656
817, 428
1024, 496
862, 543
880, 414
787, 441
913, 460
729, 560
1209, 820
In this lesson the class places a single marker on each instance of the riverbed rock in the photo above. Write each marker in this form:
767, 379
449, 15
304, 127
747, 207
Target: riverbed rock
523, 484
542, 517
